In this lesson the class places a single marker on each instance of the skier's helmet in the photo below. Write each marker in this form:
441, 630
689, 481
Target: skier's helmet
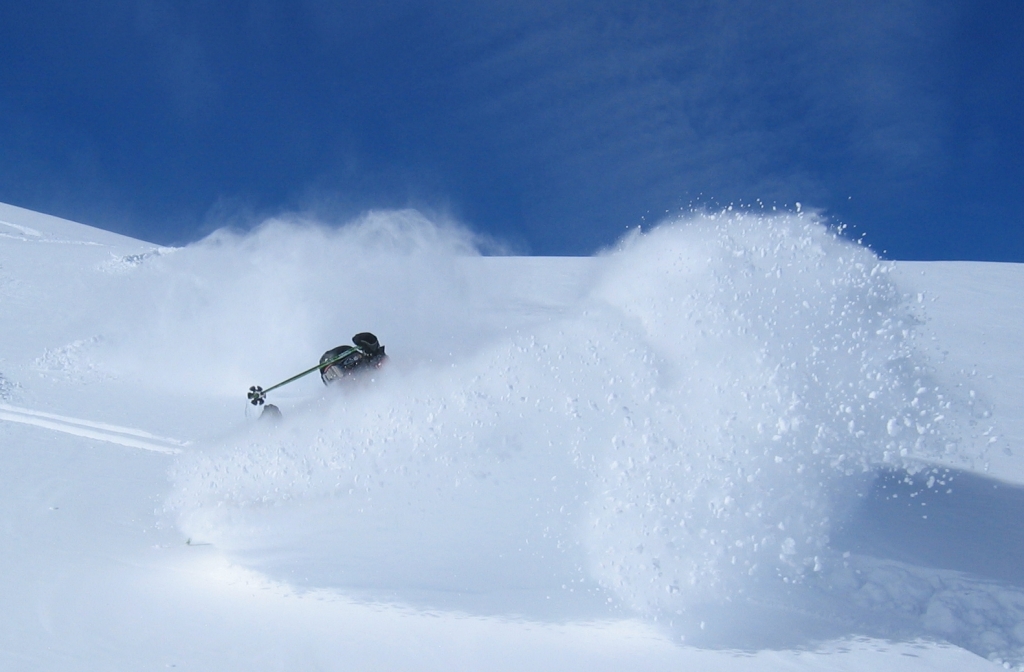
366, 342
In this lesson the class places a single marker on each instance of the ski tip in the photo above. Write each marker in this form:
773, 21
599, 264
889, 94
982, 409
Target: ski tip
271, 413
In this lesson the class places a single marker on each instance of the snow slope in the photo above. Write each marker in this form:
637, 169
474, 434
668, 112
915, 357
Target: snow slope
733, 442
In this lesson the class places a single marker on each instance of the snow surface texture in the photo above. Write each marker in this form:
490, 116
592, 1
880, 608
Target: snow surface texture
731, 427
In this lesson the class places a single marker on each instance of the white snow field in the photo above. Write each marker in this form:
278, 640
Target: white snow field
734, 442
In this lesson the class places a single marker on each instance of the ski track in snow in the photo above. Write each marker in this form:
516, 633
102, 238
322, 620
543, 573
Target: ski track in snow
24, 230
30, 235
122, 436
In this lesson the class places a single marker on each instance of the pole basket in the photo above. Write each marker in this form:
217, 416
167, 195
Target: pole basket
256, 395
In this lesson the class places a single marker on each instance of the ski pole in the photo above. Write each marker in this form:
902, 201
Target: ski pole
257, 395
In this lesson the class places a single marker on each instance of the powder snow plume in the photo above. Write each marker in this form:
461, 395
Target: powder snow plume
680, 435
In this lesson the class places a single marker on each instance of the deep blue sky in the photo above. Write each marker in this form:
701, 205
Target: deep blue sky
554, 125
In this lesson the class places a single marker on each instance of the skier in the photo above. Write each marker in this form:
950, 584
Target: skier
346, 360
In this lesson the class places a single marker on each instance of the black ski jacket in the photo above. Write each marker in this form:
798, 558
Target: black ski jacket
355, 361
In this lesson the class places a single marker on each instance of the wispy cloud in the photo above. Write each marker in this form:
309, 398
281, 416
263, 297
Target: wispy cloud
172, 37
735, 98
